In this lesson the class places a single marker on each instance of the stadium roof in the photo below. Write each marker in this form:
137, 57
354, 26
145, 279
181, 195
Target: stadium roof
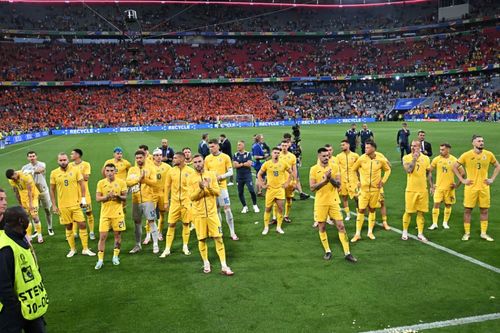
266, 3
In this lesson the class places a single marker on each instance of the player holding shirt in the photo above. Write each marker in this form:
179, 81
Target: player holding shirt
203, 192
324, 179
141, 179
279, 176
85, 170
221, 164
476, 163
418, 170
444, 189
70, 187
177, 203
27, 193
370, 167
111, 193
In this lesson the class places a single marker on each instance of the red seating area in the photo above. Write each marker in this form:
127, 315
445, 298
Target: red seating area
277, 58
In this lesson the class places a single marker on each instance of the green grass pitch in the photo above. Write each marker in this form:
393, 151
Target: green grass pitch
281, 282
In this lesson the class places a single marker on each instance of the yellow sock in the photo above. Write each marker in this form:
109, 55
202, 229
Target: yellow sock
90, 221
275, 210
288, 207
38, 227
435, 215
148, 229
84, 238
160, 222
221, 251
347, 211
420, 222
75, 228
324, 241
345, 242
406, 221
467, 228
100, 255
267, 218
70, 237
447, 214
371, 222
484, 227
116, 252
29, 230
185, 233
384, 218
202, 246
170, 236
359, 223
279, 218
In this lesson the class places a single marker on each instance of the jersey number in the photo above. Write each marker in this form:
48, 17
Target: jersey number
276, 173
479, 166
418, 166
158, 176
66, 182
445, 170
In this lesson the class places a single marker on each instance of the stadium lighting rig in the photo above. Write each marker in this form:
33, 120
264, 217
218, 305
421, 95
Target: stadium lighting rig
272, 3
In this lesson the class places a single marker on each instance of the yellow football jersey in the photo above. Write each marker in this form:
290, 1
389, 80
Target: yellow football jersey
85, 169
112, 208
160, 173
476, 166
67, 186
417, 180
444, 171
276, 173
219, 164
122, 167
204, 203
370, 171
346, 162
22, 184
328, 194
177, 183
141, 192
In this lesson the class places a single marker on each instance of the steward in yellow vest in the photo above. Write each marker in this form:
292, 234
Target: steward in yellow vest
23, 297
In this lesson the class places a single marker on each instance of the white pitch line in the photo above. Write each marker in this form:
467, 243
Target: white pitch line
438, 324
26, 147
447, 250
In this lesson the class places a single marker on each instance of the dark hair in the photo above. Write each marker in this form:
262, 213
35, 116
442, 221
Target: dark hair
445, 144
322, 150
371, 143
421, 131
197, 155
9, 173
144, 147
179, 153
214, 141
2, 190
327, 145
475, 136
204, 136
30, 152
186, 148
110, 165
223, 136
140, 152
284, 141
78, 151
404, 124
344, 141
276, 148
287, 136
14, 215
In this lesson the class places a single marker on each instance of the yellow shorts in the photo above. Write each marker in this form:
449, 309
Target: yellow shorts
34, 212
381, 198
416, 202
321, 213
178, 213
446, 196
473, 197
273, 194
349, 188
290, 190
112, 223
368, 199
207, 227
159, 201
71, 214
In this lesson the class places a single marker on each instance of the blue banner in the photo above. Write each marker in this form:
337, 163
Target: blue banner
408, 103
12, 139
208, 126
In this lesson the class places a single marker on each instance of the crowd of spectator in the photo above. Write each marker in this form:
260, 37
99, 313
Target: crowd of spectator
27, 110
251, 58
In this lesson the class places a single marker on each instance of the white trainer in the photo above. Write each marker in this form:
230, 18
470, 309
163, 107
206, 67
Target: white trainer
185, 250
433, 226
156, 249
116, 261
135, 249
92, 235
227, 271
445, 225
348, 217
280, 231
206, 268
422, 238
256, 209
147, 239
465, 237
71, 253
39, 238
404, 236
487, 237
244, 210
165, 253
99, 264
51, 232
265, 231
87, 252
